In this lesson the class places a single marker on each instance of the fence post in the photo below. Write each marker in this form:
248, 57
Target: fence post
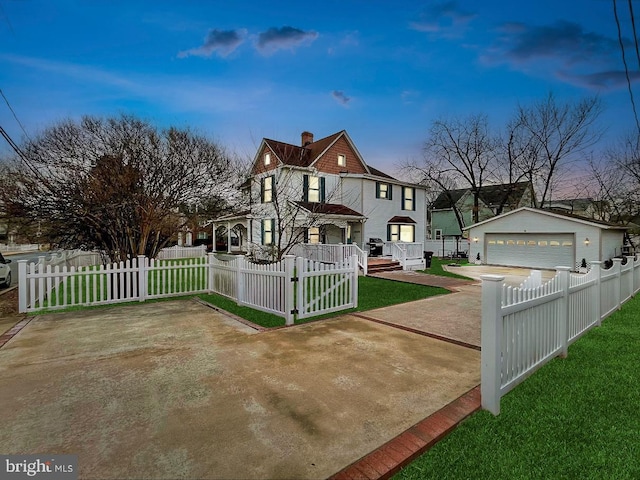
239, 280
617, 265
22, 286
289, 289
491, 340
630, 263
356, 271
142, 278
563, 279
210, 273
595, 298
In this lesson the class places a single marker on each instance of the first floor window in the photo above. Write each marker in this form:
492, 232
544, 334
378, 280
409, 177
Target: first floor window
438, 232
401, 233
313, 235
267, 231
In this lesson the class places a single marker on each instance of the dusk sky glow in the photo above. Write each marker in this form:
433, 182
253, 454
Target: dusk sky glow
239, 71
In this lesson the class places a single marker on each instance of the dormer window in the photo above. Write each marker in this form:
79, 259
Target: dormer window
267, 159
342, 161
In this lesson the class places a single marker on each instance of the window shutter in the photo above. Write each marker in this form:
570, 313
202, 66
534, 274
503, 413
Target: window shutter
273, 188
262, 231
388, 232
402, 204
322, 197
377, 189
413, 198
305, 188
390, 190
262, 190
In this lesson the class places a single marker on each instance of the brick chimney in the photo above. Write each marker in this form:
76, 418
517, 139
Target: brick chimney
307, 138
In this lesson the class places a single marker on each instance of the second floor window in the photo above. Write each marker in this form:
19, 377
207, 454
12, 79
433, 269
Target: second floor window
266, 189
342, 161
384, 190
267, 159
313, 189
408, 198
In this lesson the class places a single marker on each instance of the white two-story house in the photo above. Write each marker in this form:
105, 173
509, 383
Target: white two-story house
321, 191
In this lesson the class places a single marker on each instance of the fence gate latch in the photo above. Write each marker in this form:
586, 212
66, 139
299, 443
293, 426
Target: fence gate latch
294, 311
294, 279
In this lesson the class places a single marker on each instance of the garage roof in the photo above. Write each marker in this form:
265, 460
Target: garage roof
565, 216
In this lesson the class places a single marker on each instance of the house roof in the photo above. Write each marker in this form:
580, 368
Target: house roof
306, 156
399, 219
556, 214
448, 198
329, 209
490, 195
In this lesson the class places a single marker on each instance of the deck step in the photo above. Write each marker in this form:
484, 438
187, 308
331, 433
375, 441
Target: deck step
383, 266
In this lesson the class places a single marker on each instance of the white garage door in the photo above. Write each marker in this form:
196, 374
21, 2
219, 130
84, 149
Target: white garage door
533, 250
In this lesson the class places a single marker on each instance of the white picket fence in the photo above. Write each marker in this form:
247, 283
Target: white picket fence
182, 252
292, 288
525, 327
19, 247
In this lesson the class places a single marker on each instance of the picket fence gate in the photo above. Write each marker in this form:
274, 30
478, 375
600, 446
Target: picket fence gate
292, 288
525, 327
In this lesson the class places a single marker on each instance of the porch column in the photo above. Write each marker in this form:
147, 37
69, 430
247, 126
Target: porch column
228, 237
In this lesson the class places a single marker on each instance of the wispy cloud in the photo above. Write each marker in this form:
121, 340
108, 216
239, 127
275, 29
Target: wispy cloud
222, 42
340, 97
443, 19
285, 37
563, 49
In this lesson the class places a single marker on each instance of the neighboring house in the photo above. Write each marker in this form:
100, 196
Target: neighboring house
534, 238
585, 207
321, 191
453, 207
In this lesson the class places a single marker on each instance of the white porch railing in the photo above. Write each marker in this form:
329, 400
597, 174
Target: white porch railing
182, 252
524, 328
409, 254
331, 253
322, 287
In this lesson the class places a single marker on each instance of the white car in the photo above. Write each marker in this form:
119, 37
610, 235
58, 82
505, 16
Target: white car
5, 272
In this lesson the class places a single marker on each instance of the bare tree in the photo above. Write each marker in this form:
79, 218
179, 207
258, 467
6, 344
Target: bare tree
548, 136
115, 184
459, 153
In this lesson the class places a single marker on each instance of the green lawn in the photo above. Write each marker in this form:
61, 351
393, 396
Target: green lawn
436, 269
372, 293
575, 418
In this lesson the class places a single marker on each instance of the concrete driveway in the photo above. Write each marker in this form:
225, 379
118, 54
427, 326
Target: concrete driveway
514, 276
178, 390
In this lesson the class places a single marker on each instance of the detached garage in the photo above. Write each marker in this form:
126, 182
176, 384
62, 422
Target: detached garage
533, 238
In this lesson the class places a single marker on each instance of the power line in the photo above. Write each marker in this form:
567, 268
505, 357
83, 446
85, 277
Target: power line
626, 68
633, 26
14, 113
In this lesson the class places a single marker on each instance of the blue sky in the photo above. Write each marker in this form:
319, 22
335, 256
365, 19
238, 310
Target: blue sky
240, 71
